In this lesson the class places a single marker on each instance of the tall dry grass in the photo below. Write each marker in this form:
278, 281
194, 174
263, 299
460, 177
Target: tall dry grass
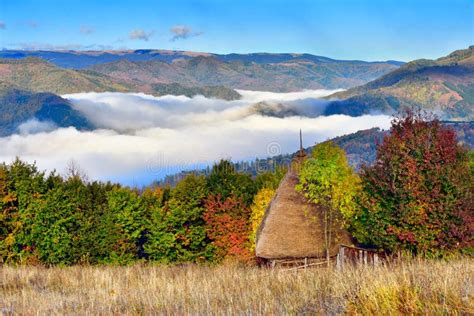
418, 287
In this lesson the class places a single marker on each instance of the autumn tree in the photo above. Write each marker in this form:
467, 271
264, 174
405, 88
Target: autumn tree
21, 185
257, 210
417, 196
327, 180
227, 226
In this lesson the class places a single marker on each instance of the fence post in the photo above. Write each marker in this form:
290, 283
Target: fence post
340, 259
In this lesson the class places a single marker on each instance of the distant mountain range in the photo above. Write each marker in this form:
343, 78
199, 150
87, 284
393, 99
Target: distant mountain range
285, 76
267, 72
85, 59
444, 86
31, 81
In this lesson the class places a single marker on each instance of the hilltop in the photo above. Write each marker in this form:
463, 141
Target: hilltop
18, 106
38, 75
444, 85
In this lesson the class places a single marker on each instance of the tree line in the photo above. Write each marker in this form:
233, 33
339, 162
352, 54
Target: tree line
417, 197
49, 219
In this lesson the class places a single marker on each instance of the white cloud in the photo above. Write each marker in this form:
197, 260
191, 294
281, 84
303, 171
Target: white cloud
145, 136
258, 96
33, 126
139, 34
182, 32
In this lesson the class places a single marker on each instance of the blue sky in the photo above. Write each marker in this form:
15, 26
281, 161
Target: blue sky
343, 29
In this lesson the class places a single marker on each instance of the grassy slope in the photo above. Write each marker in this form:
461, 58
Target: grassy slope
39, 76
415, 288
36, 75
445, 84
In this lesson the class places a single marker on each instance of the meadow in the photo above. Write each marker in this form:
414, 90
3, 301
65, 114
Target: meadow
411, 287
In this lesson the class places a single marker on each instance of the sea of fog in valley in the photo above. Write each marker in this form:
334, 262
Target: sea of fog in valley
140, 138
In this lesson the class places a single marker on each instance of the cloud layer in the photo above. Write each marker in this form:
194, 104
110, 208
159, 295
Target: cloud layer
141, 137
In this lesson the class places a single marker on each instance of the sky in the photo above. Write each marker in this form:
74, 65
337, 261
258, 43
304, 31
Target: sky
343, 29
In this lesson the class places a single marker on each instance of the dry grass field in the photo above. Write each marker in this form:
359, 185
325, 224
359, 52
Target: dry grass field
417, 287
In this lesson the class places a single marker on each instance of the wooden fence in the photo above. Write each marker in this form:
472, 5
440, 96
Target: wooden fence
355, 256
346, 256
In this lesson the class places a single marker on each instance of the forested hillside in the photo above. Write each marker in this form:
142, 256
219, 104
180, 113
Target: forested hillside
19, 106
445, 85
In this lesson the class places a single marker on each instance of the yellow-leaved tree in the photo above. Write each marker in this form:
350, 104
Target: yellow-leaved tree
260, 203
327, 180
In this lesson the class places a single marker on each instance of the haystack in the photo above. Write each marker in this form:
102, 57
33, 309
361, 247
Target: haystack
292, 227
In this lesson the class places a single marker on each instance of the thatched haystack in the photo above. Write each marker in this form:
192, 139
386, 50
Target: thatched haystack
292, 227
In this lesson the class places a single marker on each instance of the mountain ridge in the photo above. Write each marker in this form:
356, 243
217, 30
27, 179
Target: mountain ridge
443, 85
83, 59
286, 76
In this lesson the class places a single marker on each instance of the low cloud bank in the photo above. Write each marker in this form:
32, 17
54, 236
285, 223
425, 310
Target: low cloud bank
141, 137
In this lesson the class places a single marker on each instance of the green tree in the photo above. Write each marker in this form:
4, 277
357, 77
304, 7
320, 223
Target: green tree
20, 185
226, 182
270, 179
177, 232
327, 179
123, 228
54, 227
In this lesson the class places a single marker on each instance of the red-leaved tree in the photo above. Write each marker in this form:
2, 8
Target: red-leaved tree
227, 226
418, 196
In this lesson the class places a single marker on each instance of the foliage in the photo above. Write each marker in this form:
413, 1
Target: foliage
225, 181
260, 203
327, 179
20, 184
228, 227
123, 226
270, 179
418, 195
177, 233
